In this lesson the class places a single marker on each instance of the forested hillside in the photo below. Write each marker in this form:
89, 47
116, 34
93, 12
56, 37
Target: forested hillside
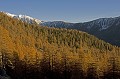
29, 51
106, 29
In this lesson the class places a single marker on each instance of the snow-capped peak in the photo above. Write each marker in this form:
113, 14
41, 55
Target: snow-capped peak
9, 14
98, 24
24, 18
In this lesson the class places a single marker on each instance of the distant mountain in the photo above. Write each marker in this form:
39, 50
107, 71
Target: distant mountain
58, 24
106, 29
25, 18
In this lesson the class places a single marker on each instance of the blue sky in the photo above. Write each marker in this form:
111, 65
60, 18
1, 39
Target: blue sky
67, 10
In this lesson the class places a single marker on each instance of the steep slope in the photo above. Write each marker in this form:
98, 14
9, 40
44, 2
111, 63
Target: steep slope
106, 29
103, 28
32, 51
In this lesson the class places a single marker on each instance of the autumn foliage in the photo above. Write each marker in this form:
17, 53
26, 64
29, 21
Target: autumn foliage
30, 51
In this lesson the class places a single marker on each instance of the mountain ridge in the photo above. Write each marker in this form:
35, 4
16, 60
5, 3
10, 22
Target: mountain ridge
24, 18
103, 22
40, 51
103, 28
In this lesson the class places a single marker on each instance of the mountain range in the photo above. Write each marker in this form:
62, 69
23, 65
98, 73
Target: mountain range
106, 29
31, 51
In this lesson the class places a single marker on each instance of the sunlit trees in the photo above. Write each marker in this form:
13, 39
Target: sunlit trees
43, 52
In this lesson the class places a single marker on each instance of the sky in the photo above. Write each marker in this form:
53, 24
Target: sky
63, 10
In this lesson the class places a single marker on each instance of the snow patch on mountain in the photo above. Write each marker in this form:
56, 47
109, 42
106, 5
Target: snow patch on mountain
9, 14
24, 18
98, 24
102, 23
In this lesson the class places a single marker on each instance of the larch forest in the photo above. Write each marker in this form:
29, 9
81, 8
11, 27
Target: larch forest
31, 51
